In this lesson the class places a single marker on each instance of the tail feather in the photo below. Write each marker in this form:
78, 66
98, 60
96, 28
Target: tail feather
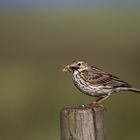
134, 90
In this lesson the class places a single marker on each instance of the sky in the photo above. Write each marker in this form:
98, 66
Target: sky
42, 3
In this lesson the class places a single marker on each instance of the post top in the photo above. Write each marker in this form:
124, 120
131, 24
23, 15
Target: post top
80, 109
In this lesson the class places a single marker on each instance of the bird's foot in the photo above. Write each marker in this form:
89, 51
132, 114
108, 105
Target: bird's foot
91, 105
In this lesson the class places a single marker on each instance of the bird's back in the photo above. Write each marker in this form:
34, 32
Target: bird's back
95, 76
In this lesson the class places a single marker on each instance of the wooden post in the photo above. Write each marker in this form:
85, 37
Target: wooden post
82, 124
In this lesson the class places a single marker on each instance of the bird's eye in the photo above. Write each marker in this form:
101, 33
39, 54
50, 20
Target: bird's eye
79, 64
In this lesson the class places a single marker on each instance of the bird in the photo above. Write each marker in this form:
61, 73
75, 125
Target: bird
94, 82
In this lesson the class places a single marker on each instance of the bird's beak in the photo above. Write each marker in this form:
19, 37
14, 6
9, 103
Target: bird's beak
67, 68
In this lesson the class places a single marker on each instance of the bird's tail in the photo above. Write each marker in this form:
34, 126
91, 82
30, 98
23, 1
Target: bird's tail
134, 90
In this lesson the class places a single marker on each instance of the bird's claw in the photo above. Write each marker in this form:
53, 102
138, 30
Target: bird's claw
91, 105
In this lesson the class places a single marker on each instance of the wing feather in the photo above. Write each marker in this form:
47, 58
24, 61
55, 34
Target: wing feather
97, 77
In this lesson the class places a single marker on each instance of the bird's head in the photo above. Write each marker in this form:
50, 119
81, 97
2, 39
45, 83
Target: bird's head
76, 65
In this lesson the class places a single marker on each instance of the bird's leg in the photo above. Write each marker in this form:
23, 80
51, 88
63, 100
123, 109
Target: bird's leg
97, 103
99, 100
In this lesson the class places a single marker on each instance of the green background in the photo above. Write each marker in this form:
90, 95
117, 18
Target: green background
36, 44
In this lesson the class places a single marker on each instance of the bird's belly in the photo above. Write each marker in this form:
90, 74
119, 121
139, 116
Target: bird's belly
90, 89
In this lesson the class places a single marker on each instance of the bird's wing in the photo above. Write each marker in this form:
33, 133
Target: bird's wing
96, 76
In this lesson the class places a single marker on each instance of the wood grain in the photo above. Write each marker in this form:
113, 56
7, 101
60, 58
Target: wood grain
82, 124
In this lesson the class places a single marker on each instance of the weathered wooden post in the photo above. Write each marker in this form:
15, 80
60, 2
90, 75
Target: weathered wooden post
82, 124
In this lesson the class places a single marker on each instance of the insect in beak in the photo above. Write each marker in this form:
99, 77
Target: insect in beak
66, 69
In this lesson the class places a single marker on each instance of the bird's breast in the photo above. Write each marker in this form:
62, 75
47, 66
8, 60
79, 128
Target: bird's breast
82, 85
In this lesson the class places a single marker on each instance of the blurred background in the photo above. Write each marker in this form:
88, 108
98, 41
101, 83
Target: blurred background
39, 37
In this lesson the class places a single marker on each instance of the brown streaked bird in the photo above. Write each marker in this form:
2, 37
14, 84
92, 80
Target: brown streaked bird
95, 82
